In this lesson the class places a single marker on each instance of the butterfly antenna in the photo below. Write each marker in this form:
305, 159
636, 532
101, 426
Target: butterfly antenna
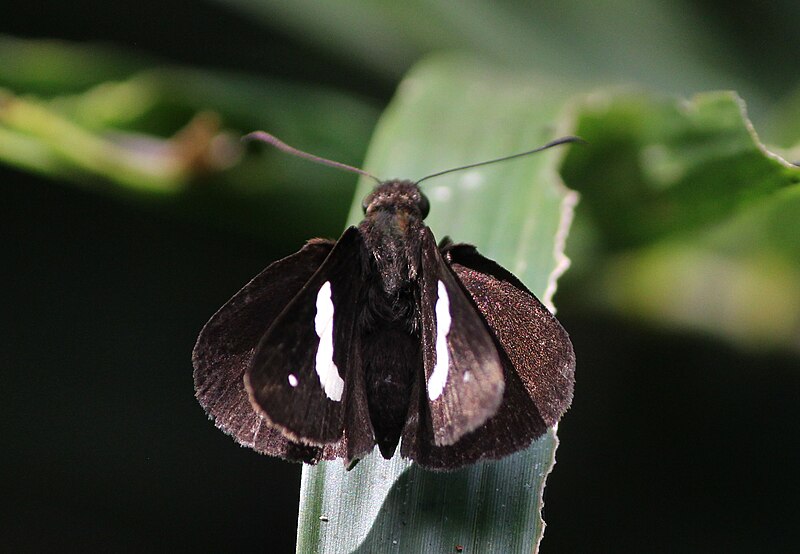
557, 142
263, 136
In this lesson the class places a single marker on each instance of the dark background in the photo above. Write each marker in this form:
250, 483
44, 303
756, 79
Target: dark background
675, 441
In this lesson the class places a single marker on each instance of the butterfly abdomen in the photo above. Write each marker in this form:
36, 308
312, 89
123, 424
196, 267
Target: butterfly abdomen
391, 360
390, 320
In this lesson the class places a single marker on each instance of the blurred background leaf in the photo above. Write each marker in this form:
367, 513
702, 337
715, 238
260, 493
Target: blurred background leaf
693, 221
130, 212
174, 133
668, 46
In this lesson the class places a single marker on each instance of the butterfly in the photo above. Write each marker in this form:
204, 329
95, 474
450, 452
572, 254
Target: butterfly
386, 338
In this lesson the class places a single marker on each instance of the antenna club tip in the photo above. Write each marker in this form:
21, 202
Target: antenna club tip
256, 135
569, 139
572, 139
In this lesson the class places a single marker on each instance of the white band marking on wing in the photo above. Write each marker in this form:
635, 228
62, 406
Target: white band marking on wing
438, 377
328, 373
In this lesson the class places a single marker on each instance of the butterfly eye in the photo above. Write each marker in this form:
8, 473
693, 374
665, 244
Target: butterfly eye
424, 205
367, 201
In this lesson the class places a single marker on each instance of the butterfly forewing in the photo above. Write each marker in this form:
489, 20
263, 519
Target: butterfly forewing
462, 368
532, 346
227, 342
297, 375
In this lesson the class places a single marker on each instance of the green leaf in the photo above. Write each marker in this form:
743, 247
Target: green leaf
659, 167
700, 220
53, 67
119, 123
450, 112
169, 136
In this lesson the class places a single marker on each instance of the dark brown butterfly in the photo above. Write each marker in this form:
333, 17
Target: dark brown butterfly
384, 337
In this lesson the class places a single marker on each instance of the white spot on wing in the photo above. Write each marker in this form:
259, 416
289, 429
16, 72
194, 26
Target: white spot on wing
329, 378
438, 376
293, 380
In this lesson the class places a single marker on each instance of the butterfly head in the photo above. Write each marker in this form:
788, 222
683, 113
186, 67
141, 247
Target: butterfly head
396, 197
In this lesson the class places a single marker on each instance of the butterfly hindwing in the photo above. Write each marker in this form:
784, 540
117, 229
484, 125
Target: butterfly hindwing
297, 376
463, 373
513, 427
227, 342
536, 344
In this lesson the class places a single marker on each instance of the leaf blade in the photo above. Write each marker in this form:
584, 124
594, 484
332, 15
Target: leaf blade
439, 120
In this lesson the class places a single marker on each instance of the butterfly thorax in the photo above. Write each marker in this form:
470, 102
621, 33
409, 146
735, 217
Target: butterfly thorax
394, 212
